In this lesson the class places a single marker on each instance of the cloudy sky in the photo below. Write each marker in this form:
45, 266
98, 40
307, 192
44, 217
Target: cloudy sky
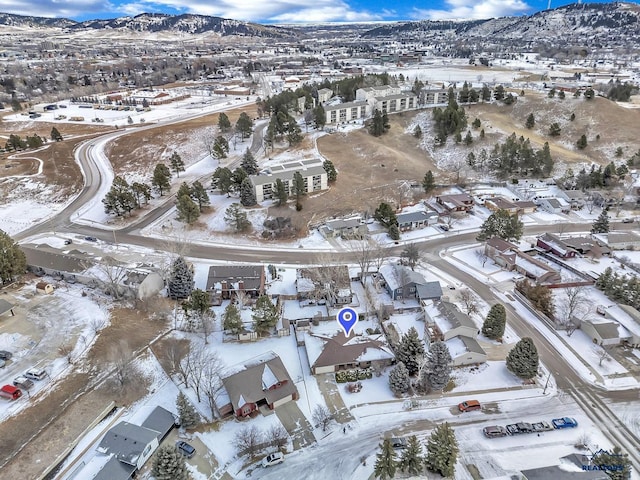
284, 11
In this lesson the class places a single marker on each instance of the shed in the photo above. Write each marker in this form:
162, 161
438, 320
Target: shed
44, 287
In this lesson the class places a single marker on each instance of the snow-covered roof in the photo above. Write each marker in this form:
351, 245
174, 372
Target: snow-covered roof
397, 276
324, 351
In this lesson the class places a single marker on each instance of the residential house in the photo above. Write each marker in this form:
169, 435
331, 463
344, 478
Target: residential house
324, 95
550, 243
262, 384
501, 203
331, 285
509, 257
313, 174
458, 202
619, 240
571, 467
345, 112
526, 206
350, 228
586, 246
575, 198
402, 282
225, 281
630, 319
415, 220
465, 351
328, 354
552, 205
604, 332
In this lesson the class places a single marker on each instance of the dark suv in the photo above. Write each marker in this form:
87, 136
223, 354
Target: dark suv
494, 431
185, 449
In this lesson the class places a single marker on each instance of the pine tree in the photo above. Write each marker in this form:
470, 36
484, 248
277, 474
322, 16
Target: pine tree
199, 195
142, 192
294, 134
12, 259
376, 127
236, 217
188, 211
220, 147
319, 116
249, 163
428, 182
385, 466
244, 126
332, 174
582, 142
494, 325
468, 138
501, 224
222, 180
410, 351
176, 163
237, 177
442, 451
297, 188
554, 129
615, 462
399, 381
385, 215
531, 121
265, 315
280, 193
522, 360
180, 283
247, 193
223, 123
601, 224
161, 177
589, 94
411, 459
120, 198
394, 232
55, 135
438, 366
169, 464
231, 320
189, 418
183, 190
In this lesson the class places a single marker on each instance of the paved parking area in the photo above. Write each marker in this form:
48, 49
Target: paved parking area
296, 424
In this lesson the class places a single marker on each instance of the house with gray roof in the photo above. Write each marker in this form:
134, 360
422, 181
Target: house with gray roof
619, 240
225, 281
130, 444
413, 220
605, 333
401, 282
353, 227
263, 384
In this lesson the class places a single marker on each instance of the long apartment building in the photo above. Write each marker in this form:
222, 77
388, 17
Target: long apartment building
313, 174
387, 99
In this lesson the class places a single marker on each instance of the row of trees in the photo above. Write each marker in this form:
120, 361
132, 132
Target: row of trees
620, 288
441, 455
596, 177
12, 259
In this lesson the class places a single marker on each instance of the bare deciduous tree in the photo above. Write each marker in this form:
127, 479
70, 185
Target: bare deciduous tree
482, 256
575, 307
98, 323
212, 381
322, 417
66, 350
242, 299
248, 440
112, 276
277, 436
470, 301
362, 252
176, 350
602, 353
121, 358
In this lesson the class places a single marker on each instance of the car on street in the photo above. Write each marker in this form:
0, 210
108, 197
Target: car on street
627, 220
4, 355
469, 406
564, 422
91, 239
272, 459
494, 431
35, 373
398, 442
68, 241
520, 427
541, 426
23, 382
185, 449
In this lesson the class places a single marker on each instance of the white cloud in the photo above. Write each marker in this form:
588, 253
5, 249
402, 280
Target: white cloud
473, 10
54, 8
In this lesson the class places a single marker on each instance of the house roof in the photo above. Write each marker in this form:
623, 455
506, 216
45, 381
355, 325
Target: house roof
472, 344
37, 257
337, 275
5, 306
557, 473
247, 384
115, 470
500, 244
251, 275
287, 175
455, 317
339, 223
126, 441
398, 276
340, 350
340, 106
501, 203
160, 420
584, 244
411, 217
429, 291
606, 330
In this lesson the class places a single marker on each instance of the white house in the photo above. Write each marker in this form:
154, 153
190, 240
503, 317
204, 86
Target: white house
605, 332
465, 351
313, 174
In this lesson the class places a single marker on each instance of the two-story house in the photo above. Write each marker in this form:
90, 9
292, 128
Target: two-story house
402, 283
225, 281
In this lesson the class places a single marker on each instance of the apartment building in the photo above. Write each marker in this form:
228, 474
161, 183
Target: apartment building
314, 175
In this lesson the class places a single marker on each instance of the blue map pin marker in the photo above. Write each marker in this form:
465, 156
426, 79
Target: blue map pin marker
347, 318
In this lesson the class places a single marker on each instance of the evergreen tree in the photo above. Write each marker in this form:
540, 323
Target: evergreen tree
176, 163
385, 215
589, 94
222, 180
410, 351
486, 93
319, 116
220, 148
280, 193
428, 182
249, 163
188, 211
582, 142
376, 127
399, 381
141, 192
161, 177
385, 466
199, 195
468, 138
494, 325
247, 193
501, 224
169, 464
394, 232
601, 224
417, 132
561, 95
55, 135
236, 217
223, 123
265, 315
572, 117
411, 458
332, 174
297, 187
522, 360
244, 126
531, 121
294, 133
442, 451
614, 462
180, 283
231, 320
438, 366
189, 418
183, 190
498, 92
476, 123
12, 259
554, 129
237, 177
120, 198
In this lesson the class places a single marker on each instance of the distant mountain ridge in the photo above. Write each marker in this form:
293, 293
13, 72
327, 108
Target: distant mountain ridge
153, 22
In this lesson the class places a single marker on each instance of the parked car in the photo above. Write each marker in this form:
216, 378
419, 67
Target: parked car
35, 373
398, 442
23, 382
520, 427
68, 241
272, 459
91, 239
494, 431
4, 355
627, 220
10, 392
469, 406
185, 449
2, 363
564, 422
541, 426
